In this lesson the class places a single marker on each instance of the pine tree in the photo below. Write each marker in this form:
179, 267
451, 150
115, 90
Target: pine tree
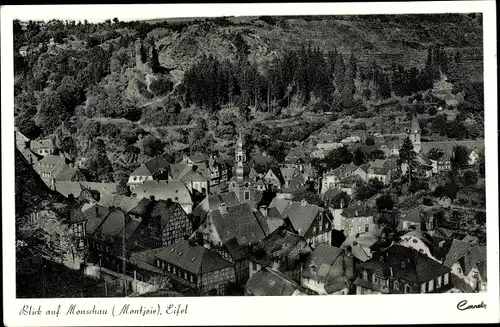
407, 156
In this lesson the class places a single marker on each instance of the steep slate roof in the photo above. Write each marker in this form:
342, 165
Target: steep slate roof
197, 157
151, 167
407, 264
95, 216
260, 163
301, 215
76, 216
193, 258
66, 173
179, 169
66, 188
239, 222
164, 190
146, 260
277, 172
280, 204
193, 176
268, 282
351, 179
214, 200
126, 203
322, 258
468, 255
280, 243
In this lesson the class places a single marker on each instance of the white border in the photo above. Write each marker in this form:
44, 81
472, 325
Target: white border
417, 309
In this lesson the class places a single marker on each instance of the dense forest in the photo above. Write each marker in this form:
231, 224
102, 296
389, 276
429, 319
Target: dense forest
117, 93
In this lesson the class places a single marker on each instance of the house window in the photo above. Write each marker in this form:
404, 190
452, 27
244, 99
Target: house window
367, 228
396, 285
375, 279
191, 278
247, 195
459, 270
422, 288
327, 225
438, 282
431, 285
254, 266
365, 275
185, 275
407, 288
475, 274
314, 229
169, 267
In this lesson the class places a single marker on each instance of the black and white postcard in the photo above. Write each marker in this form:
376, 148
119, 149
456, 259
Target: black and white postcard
209, 164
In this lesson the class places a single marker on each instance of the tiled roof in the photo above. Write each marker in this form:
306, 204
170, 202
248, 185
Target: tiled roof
145, 260
267, 282
76, 216
193, 176
239, 222
172, 189
280, 243
378, 170
95, 216
213, 201
407, 264
193, 258
126, 203
351, 179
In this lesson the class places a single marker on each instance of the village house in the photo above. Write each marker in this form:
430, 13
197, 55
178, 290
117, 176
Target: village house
195, 181
474, 147
308, 220
379, 171
357, 219
467, 262
53, 168
195, 159
154, 169
43, 147
360, 245
401, 270
281, 250
77, 222
165, 221
274, 179
328, 271
111, 235
336, 200
350, 184
82, 189
411, 220
189, 265
164, 190
269, 282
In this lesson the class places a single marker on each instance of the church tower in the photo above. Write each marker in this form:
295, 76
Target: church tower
414, 135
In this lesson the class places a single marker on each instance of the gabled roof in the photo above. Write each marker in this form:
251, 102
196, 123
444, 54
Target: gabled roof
51, 160
239, 222
379, 170
277, 172
351, 179
66, 173
468, 255
320, 262
193, 176
172, 189
95, 216
302, 215
280, 204
179, 169
197, 158
66, 188
152, 167
280, 244
268, 282
41, 144
213, 201
76, 215
126, 203
193, 258
406, 263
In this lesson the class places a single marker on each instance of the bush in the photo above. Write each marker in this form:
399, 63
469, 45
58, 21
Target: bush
161, 86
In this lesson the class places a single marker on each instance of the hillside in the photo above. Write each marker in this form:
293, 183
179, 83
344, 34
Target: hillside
32, 194
116, 94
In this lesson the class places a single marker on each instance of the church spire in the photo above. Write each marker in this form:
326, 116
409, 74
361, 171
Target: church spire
239, 151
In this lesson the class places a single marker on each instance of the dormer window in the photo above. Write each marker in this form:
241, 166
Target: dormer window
407, 288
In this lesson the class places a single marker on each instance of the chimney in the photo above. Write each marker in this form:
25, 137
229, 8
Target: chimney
303, 202
195, 168
152, 198
223, 208
169, 201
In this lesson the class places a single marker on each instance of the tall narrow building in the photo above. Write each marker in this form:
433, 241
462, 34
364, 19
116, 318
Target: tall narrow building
414, 135
240, 183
